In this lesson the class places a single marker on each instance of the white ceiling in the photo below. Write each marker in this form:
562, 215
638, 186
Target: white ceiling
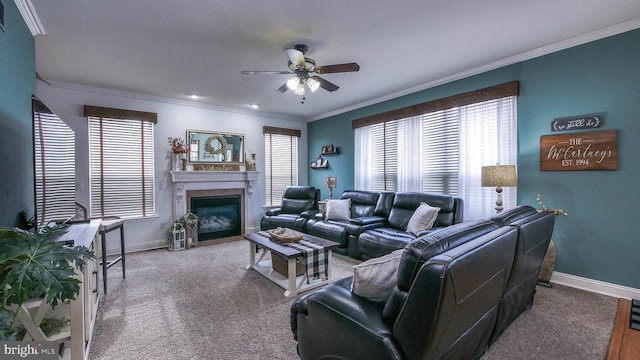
173, 48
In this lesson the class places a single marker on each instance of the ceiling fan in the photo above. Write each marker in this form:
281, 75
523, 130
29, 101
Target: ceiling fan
305, 71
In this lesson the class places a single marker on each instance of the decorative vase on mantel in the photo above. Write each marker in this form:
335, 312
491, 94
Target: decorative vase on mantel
178, 162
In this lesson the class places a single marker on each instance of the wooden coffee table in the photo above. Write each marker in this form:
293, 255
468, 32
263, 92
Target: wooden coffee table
292, 284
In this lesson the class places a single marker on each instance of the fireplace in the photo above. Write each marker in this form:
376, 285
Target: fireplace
218, 216
205, 184
220, 212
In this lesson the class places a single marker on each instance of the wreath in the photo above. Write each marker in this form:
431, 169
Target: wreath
210, 149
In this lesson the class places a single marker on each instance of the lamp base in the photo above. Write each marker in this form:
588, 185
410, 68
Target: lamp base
499, 207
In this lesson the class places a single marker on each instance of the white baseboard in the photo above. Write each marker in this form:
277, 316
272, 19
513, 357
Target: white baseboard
595, 286
138, 246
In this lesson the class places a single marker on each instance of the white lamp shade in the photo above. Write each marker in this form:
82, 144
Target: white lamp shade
499, 175
313, 84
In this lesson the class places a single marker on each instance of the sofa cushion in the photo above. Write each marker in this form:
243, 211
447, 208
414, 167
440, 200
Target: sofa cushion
296, 206
423, 218
363, 203
339, 209
419, 251
381, 241
375, 278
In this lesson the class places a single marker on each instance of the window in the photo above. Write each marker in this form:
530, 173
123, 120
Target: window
281, 162
55, 166
121, 154
440, 147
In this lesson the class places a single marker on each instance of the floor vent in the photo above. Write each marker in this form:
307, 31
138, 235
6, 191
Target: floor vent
635, 314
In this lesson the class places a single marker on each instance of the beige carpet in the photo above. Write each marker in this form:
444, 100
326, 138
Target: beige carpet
202, 304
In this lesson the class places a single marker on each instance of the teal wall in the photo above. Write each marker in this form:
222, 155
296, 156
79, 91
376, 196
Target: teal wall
598, 239
17, 84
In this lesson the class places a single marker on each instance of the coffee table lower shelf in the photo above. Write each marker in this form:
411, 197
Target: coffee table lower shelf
299, 284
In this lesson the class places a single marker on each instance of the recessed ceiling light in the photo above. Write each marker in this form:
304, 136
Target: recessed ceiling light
254, 106
194, 96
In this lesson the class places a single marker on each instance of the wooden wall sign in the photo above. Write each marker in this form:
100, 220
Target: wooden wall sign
577, 123
596, 150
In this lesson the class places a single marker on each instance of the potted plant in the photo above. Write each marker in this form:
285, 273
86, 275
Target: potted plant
549, 261
34, 265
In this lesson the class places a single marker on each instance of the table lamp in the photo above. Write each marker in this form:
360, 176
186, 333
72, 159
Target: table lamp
331, 184
499, 176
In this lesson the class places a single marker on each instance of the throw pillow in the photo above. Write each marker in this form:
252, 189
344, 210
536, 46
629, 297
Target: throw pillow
375, 278
339, 209
423, 218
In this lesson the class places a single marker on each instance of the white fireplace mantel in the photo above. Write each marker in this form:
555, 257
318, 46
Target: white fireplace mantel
184, 181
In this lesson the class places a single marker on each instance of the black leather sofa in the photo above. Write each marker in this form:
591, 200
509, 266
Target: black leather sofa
378, 223
392, 234
456, 290
368, 209
299, 203
443, 306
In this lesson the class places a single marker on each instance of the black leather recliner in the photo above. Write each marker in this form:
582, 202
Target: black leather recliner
444, 305
298, 204
534, 234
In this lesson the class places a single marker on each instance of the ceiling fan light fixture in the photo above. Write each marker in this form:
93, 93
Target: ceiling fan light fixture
300, 89
313, 84
293, 83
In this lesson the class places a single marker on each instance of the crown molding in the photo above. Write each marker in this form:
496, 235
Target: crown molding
528, 55
30, 17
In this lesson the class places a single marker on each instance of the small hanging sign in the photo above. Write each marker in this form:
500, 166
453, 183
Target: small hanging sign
597, 150
577, 123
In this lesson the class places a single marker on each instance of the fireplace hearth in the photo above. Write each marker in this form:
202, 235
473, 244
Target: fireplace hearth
218, 216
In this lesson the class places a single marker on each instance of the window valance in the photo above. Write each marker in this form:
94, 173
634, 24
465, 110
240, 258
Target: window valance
470, 97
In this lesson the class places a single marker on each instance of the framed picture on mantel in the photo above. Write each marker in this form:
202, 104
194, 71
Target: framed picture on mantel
596, 150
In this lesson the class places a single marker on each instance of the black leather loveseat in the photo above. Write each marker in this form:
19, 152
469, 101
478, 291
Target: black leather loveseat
456, 290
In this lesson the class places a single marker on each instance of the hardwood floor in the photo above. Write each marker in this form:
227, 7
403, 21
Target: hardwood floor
625, 342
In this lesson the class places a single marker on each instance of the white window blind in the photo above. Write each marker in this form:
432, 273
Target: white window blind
121, 160
441, 152
55, 166
281, 162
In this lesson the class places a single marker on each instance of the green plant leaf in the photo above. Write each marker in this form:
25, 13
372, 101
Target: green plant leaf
34, 265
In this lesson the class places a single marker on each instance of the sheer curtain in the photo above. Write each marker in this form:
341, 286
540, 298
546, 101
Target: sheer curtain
409, 148
363, 174
488, 136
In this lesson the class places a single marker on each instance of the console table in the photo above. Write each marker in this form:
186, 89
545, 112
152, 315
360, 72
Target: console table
82, 311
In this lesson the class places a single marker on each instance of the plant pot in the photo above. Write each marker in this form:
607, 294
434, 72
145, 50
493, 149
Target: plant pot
548, 264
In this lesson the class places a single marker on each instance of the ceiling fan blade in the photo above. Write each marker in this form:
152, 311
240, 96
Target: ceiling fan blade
296, 57
338, 68
265, 72
282, 89
327, 85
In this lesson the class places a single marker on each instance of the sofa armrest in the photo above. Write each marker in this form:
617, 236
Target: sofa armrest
309, 214
361, 224
336, 322
273, 212
367, 220
429, 231
318, 216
